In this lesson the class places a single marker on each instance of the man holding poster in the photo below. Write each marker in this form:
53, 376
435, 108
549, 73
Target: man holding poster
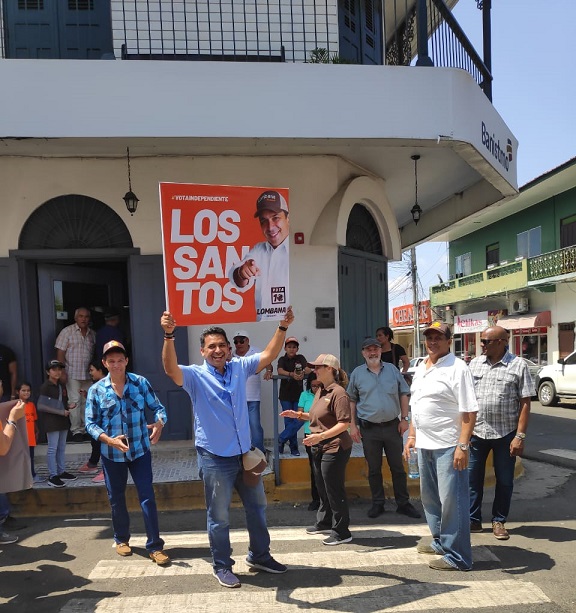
226, 459
266, 265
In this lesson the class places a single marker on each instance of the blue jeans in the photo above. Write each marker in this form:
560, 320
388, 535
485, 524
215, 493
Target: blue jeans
116, 478
221, 476
446, 500
56, 452
291, 426
256, 431
503, 469
4, 508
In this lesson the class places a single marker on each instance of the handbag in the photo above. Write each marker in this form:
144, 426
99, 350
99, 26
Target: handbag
46, 404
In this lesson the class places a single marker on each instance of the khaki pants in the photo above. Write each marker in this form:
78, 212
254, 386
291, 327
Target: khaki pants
77, 415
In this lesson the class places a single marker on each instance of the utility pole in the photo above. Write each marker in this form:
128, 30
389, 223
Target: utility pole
415, 303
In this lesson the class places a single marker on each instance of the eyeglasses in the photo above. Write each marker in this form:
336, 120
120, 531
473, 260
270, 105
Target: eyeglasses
239, 341
314, 387
487, 341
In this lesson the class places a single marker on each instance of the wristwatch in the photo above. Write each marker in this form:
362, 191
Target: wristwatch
520, 435
464, 446
406, 418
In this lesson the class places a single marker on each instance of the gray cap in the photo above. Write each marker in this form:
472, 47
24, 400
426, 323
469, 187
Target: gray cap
368, 342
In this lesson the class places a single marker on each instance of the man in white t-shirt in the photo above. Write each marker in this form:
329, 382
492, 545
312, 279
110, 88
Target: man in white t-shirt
444, 411
267, 264
241, 348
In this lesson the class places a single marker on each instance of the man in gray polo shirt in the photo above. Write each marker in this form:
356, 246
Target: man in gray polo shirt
378, 394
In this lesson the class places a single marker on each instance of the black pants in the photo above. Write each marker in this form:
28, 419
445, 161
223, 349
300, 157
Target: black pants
384, 437
313, 488
329, 471
95, 455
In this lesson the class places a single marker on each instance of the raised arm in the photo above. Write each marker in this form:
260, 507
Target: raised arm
169, 359
276, 342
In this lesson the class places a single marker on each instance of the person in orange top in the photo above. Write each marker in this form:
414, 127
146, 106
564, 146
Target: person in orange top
24, 392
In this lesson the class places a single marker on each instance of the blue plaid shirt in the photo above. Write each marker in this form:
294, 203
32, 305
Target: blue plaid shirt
106, 412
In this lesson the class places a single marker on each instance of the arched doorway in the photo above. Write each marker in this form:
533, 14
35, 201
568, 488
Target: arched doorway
74, 250
362, 285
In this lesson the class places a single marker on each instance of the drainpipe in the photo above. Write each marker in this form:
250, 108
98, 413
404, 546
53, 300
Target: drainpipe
487, 44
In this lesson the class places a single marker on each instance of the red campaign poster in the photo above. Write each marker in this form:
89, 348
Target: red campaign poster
226, 252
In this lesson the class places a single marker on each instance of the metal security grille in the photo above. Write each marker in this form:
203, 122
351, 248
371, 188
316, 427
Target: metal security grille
74, 222
362, 233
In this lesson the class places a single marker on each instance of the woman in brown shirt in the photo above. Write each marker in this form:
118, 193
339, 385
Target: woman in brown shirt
331, 447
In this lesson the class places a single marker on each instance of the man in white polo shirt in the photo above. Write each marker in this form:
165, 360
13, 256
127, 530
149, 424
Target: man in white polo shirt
444, 411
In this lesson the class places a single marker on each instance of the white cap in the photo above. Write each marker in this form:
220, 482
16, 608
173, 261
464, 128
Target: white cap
240, 333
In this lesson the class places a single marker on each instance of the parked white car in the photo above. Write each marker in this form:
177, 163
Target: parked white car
414, 362
557, 380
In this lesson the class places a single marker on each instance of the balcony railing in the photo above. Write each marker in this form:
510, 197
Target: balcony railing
552, 264
238, 30
505, 278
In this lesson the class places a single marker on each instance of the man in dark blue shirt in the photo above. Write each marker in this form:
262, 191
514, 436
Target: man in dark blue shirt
115, 416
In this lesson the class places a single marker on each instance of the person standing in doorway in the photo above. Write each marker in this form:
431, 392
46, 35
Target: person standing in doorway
243, 348
56, 425
75, 349
110, 331
503, 387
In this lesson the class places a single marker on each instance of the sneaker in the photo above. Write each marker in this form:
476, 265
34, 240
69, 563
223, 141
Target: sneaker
336, 540
476, 527
160, 558
426, 548
314, 505
441, 564
226, 578
88, 469
317, 530
38, 479
500, 531
7, 539
68, 477
13, 524
99, 478
375, 510
409, 510
295, 453
269, 566
123, 549
56, 482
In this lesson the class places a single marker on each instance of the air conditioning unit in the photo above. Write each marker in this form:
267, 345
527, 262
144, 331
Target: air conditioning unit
520, 304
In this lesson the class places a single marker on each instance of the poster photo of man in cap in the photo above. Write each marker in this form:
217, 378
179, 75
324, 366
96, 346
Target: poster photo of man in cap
266, 265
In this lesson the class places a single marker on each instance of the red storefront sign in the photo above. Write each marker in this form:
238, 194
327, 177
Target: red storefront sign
404, 315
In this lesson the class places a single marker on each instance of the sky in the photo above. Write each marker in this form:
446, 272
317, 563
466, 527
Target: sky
534, 90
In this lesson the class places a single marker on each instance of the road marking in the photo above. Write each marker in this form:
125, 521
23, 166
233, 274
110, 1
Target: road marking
396, 598
240, 536
345, 558
561, 453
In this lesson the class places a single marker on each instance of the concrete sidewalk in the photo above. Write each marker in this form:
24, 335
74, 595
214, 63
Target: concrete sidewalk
177, 484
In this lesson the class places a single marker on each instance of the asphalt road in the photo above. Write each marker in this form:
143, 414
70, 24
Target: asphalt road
69, 564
